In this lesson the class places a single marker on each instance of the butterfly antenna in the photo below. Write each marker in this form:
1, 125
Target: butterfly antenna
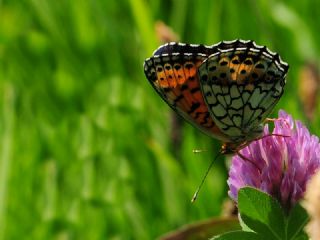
195, 195
195, 151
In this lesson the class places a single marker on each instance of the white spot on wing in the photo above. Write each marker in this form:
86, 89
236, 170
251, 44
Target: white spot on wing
227, 121
247, 113
245, 96
216, 89
219, 110
234, 92
237, 103
227, 99
234, 132
256, 98
237, 120
222, 101
211, 99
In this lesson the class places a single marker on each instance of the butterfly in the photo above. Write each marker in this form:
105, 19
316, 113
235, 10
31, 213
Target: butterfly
227, 90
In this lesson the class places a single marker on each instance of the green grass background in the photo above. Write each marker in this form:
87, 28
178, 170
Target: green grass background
84, 139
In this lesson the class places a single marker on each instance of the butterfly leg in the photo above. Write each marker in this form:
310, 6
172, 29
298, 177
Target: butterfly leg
271, 135
267, 120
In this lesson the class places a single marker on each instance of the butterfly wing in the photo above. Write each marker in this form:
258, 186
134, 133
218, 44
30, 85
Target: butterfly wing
241, 83
172, 71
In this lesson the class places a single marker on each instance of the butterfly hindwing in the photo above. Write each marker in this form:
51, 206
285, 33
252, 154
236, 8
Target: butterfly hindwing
241, 86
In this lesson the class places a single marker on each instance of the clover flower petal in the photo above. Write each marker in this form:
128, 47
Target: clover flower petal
282, 164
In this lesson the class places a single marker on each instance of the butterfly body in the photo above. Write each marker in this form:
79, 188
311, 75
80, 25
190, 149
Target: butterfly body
226, 90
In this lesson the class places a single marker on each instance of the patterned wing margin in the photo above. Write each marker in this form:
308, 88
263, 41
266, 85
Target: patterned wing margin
241, 84
172, 71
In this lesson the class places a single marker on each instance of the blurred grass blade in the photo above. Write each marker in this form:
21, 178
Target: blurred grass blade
290, 19
6, 151
145, 24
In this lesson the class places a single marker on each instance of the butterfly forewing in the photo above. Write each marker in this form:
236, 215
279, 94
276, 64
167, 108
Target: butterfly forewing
173, 72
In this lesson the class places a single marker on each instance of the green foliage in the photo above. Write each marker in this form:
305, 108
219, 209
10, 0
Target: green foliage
266, 219
85, 147
296, 222
261, 213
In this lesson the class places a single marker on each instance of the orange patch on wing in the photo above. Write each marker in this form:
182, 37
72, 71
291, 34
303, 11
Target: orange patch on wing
234, 68
180, 86
244, 70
